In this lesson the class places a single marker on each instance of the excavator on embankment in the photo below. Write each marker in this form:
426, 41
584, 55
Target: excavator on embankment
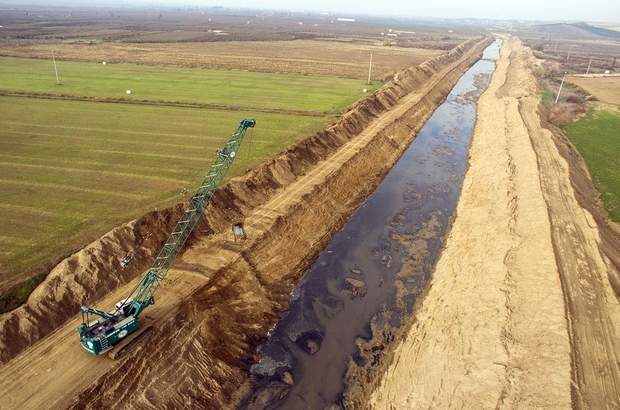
101, 331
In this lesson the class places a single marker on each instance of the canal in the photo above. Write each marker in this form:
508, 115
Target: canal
374, 268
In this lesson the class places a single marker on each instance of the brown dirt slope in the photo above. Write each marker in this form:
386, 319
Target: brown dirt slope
521, 311
291, 206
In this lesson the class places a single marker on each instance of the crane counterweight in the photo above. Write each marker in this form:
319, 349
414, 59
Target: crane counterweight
108, 328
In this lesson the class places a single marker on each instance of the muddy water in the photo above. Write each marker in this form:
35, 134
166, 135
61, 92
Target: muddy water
360, 274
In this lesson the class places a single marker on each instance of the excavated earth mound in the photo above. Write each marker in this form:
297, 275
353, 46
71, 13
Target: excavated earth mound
223, 293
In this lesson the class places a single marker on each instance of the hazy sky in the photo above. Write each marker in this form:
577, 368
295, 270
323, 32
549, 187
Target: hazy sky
589, 10
549, 10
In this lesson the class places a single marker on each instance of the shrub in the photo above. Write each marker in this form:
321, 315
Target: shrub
389, 76
551, 67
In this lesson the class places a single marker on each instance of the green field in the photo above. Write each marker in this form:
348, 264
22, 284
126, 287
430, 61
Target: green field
597, 140
72, 170
238, 89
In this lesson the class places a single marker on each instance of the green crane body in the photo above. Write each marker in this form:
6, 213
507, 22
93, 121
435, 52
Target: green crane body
100, 335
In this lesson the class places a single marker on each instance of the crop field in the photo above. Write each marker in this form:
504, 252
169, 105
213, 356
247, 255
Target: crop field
596, 138
306, 57
71, 170
604, 88
596, 130
229, 89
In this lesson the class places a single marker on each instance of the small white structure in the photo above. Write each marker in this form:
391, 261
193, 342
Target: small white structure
128, 91
364, 90
103, 63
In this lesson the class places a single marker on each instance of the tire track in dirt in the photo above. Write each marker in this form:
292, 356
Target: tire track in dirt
591, 306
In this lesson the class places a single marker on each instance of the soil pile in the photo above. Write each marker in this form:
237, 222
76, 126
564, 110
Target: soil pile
521, 311
290, 208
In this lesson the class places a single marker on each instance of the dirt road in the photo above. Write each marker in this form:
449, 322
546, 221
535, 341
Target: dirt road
198, 354
521, 312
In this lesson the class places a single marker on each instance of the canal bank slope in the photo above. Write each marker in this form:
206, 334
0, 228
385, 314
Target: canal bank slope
521, 311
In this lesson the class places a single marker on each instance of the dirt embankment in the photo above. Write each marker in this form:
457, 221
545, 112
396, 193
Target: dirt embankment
521, 311
291, 206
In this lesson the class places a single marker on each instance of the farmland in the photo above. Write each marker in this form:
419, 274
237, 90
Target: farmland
223, 89
604, 88
75, 169
305, 57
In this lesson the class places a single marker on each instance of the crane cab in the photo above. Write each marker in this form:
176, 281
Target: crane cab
101, 335
123, 307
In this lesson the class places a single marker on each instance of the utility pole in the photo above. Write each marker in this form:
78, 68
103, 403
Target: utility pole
588, 70
561, 84
55, 69
556, 45
569, 49
369, 69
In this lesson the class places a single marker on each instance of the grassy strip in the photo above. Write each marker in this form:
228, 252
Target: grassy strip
18, 295
596, 138
238, 89
71, 171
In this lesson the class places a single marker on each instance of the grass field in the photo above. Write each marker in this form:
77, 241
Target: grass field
237, 89
596, 138
72, 170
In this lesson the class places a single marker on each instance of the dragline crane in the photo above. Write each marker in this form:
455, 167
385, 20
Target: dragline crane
108, 328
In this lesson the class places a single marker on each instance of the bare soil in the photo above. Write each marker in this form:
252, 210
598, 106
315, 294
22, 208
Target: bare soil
603, 87
223, 294
523, 308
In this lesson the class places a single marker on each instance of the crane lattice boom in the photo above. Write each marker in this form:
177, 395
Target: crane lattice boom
110, 327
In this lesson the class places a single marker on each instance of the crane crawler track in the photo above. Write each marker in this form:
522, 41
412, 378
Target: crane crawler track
121, 347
